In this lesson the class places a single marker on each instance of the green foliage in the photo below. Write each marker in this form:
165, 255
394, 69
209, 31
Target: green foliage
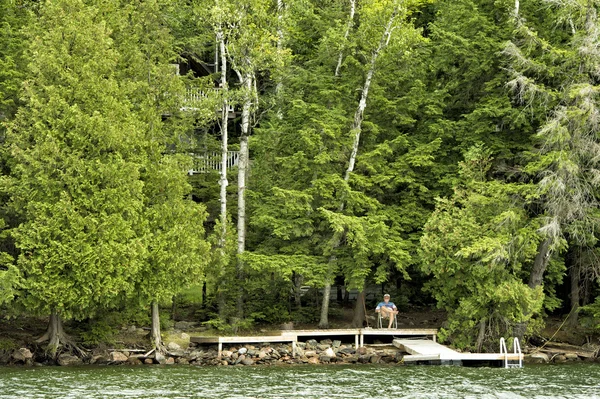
98, 332
476, 246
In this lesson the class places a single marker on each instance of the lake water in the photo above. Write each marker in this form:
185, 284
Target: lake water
577, 380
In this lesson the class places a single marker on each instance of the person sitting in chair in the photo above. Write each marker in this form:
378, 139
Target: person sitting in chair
387, 309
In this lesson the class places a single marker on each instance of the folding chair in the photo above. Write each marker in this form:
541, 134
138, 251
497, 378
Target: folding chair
380, 321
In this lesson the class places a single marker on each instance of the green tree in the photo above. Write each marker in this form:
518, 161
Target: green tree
477, 246
76, 149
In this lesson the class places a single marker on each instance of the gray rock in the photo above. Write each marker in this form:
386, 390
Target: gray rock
322, 347
571, 356
22, 355
226, 354
537, 358
234, 356
160, 358
275, 354
362, 350
134, 361
364, 358
69, 360
348, 351
324, 359
301, 345
375, 359
311, 343
148, 361
299, 352
182, 360
170, 361
310, 353
247, 362
560, 359
195, 355
172, 346
329, 352
117, 357
242, 351
240, 359
336, 344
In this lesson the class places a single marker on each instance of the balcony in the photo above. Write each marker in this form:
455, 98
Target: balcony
211, 161
194, 99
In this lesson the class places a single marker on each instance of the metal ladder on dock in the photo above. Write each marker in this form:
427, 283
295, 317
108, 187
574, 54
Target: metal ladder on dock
516, 350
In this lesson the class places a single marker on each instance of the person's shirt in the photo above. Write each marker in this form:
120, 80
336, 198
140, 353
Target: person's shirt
387, 305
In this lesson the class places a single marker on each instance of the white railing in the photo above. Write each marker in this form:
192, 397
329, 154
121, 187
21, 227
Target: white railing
516, 351
210, 161
194, 98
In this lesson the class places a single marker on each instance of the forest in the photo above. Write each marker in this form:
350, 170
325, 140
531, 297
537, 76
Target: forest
271, 161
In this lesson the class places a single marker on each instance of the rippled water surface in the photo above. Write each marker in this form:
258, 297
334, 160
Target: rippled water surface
307, 382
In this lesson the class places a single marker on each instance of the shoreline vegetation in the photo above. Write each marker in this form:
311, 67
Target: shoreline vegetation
246, 163
130, 347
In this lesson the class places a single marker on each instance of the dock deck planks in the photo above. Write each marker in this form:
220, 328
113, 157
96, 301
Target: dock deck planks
425, 350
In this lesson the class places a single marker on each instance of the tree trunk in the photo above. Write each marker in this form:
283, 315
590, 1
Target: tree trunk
481, 335
298, 279
155, 329
356, 129
349, 26
535, 279
539, 265
174, 307
242, 177
362, 104
279, 86
54, 334
224, 148
359, 310
56, 337
324, 321
223, 183
574, 274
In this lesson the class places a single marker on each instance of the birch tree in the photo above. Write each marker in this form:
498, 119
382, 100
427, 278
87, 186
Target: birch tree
356, 127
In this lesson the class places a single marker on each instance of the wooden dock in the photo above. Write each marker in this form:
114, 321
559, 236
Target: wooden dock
293, 336
430, 352
420, 344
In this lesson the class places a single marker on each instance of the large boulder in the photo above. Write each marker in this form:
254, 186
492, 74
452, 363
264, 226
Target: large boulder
329, 352
22, 355
537, 358
117, 357
67, 359
172, 346
160, 358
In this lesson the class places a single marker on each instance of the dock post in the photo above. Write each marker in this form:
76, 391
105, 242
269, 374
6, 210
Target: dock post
293, 348
220, 349
362, 340
356, 341
434, 336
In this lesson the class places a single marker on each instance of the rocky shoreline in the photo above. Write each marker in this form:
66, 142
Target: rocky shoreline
310, 352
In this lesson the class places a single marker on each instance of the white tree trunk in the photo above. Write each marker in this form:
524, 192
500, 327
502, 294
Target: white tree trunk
362, 104
280, 6
155, 329
324, 321
356, 129
349, 26
242, 178
224, 120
